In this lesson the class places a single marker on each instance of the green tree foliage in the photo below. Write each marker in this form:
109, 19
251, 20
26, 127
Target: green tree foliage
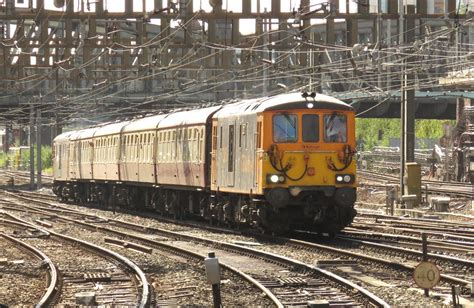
377, 132
8, 160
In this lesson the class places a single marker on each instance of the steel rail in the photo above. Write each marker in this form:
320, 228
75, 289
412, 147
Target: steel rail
353, 234
53, 273
260, 286
442, 258
178, 249
367, 295
446, 278
145, 296
370, 297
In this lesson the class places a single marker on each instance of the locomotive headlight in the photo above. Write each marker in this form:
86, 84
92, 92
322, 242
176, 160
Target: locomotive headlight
345, 178
310, 105
274, 178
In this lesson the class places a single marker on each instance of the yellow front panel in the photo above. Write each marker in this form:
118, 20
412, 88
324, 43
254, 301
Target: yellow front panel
315, 157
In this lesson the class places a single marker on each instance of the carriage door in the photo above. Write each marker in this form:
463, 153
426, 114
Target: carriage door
231, 156
79, 159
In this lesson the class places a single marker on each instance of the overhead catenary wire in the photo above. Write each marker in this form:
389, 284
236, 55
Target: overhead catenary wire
247, 75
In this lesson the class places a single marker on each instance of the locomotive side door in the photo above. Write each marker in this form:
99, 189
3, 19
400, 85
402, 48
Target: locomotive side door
231, 154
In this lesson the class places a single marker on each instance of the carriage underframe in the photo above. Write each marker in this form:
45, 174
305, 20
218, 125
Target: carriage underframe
315, 210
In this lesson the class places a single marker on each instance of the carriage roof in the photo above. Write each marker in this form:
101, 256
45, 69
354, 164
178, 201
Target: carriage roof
199, 116
84, 134
146, 123
110, 129
191, 117
63, 137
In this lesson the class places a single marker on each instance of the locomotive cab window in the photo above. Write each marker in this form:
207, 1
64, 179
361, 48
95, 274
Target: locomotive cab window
310, 128
335, 128
284, 128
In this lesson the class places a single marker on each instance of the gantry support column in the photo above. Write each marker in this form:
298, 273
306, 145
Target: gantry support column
408, 109
39, 163
32, 149
410, 88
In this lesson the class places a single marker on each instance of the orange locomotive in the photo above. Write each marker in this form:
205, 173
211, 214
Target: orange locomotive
278, 163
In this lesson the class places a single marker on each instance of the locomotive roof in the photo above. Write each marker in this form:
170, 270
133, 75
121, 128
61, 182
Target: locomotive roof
145, 123
283, 102
190, 117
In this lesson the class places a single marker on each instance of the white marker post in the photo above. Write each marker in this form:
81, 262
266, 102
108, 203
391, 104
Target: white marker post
213, 277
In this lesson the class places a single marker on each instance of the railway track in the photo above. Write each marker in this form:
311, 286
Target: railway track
29, 275
457, 189
456, 249
22, 178
284, 278
456, 232
339, 260
116, 275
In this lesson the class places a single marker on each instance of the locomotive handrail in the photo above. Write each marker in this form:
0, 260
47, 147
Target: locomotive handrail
310, 151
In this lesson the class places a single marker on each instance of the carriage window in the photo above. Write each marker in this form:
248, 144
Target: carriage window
310, 128
335, 128
221, 139
231, 149
284, 128
244, 132
259, 136
240, 135
214, 138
